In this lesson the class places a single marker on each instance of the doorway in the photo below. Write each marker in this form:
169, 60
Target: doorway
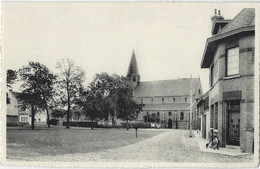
170, 123
234, 123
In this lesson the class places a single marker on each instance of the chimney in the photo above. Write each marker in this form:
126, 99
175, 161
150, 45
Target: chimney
216, 16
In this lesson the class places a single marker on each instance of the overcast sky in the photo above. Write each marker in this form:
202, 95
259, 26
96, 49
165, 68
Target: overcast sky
168, 38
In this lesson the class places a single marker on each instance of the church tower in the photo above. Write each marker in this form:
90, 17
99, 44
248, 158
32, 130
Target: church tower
132, 72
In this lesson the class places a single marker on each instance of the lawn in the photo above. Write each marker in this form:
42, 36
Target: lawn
58, 140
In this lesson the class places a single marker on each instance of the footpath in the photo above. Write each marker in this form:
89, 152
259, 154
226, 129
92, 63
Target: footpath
228, 150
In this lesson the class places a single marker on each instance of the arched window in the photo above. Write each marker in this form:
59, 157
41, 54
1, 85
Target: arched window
142, 101
170, 113
151, 100
185, 99
158, 114
182, 116
162, 100
173, 99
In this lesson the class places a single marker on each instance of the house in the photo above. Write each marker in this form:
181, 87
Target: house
204, 116
168, 99
15, 116
229, 55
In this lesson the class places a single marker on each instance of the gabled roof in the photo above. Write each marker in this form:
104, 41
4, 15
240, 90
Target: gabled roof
243, 22
175, 87
133, 69
243, 19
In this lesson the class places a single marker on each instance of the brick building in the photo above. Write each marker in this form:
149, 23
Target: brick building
168, 99
229, 55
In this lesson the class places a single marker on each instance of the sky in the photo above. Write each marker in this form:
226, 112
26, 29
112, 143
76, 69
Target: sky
168, 38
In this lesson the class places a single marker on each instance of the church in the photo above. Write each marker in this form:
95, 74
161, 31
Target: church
169, 100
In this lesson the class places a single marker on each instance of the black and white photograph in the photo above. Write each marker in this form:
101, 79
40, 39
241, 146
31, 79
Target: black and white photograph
130, 84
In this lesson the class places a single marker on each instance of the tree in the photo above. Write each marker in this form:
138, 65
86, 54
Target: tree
58, 113
11, 76
70, 81
92, 105
128, 108
37, 88
116, 94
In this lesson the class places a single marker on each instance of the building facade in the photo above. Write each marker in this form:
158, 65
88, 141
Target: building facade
229, 55
167, 99
15, 116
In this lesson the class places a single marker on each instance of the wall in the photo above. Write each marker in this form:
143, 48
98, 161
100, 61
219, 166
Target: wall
244, 82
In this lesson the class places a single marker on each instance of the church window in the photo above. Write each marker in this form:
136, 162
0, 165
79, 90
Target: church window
182, 116
173, 100
158, 114
142, 101
134, 79
162, 100
170, 113
185, 99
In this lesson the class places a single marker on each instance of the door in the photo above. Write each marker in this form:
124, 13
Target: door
234, 124
170, 123
204, 126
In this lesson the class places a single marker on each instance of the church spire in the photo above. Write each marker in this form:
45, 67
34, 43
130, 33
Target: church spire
132, 72
133, 69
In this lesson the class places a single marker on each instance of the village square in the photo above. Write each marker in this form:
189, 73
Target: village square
118, 117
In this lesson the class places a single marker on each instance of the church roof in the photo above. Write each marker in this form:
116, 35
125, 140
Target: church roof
133, 69
175, 87
166, 107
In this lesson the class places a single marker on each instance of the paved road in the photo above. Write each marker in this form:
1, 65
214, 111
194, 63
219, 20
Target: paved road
171, 146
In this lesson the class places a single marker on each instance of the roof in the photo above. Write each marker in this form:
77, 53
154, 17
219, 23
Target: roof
243, 19
242, 22
166, 107
175, 87
217, 23
133, 69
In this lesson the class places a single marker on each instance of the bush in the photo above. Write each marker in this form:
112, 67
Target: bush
54, 122
81, 124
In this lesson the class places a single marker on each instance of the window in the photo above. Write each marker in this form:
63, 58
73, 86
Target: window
158, 114
142, 101
216, 116
173, 100
24, 119
151, 100
170, 113
232, 61
211, 75
162, 100
214, 73
182, 116
211, 116
134, 79
39, 119
185, 99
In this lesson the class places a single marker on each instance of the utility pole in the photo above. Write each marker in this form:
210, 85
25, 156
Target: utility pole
190, 105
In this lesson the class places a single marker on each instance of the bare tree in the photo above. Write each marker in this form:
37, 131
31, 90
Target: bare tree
70, 81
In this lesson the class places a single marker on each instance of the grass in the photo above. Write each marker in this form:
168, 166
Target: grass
58, 140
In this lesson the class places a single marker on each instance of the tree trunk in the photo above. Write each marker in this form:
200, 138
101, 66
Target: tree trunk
127, 126
47, 110
68, 116
48, 116
32, 120
92, 123
68, 111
